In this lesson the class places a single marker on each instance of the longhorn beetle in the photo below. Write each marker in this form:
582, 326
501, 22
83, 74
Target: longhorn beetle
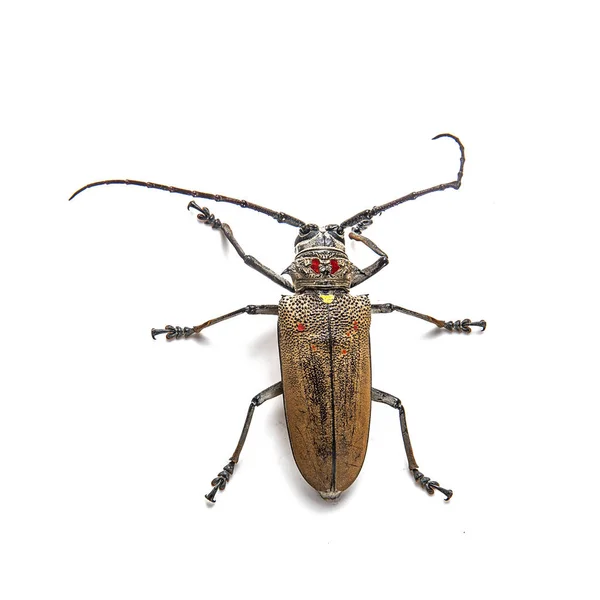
323, 342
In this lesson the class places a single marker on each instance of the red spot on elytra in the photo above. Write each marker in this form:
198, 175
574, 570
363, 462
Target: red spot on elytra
315, 265
301, 327
334, 265
355, 325
344, 351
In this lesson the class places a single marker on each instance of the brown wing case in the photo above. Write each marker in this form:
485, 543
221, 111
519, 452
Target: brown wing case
326, 370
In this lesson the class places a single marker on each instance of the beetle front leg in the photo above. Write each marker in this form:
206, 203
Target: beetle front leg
463, 326
205, 216
220, 481
426, 483
176, 332
380, 263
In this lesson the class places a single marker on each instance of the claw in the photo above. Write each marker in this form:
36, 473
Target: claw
203, 212
156, 332
220, 481
481, 324
211, 495
447, 493
173, 332
205, 216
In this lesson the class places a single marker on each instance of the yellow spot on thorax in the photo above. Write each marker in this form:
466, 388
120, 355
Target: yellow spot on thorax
327, 298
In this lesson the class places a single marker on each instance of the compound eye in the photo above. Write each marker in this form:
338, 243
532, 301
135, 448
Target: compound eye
315, 265
306, 229
336, 230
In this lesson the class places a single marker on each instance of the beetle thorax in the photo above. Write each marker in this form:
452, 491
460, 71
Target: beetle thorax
321, 261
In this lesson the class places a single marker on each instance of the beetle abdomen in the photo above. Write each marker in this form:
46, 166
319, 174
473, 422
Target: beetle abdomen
326, 373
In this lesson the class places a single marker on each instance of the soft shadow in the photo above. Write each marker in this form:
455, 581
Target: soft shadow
439, 331
434, 333
199, 339
225, 244
265, 346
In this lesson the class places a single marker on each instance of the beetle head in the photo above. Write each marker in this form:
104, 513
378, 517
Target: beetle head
321, 261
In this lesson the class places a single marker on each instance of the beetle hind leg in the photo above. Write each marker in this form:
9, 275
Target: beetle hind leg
220, 482
426, 482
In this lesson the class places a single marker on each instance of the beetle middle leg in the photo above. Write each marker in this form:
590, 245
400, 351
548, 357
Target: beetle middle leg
463, 326
177, 331
220, 481
426, 483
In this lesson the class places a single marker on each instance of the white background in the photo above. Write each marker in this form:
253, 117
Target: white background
108, 440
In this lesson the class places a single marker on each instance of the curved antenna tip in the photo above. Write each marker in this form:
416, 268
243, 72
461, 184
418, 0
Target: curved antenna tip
91, 185
437, 137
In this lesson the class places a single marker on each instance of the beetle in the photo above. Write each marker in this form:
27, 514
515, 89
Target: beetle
324, 344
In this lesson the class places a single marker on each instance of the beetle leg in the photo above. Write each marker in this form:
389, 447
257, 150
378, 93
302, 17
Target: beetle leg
221, 480
380, 263
429, 486
172, 332
205, 216
177, 332
426, 483
463, 326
